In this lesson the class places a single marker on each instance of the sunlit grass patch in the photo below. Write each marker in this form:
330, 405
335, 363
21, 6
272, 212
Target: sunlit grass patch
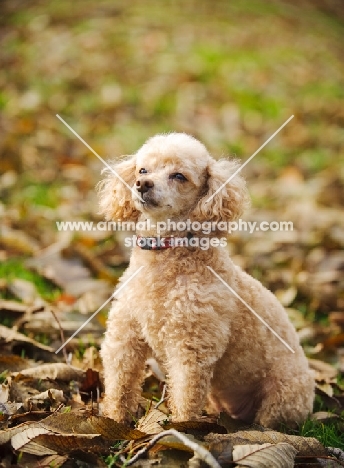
42, 194
15, 268
329, 434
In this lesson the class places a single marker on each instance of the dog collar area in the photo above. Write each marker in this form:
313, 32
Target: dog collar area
163, 243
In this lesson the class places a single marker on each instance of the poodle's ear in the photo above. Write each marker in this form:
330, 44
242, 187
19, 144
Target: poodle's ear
115, 198
229, 203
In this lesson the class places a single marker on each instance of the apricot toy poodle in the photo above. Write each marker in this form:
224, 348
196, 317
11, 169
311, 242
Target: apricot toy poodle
214, 350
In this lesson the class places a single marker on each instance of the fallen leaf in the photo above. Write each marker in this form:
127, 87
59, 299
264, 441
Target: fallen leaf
280, 455
91, 384
108, 428
222, 451
150, 422
173, 442
25, 291
4, 392
305, 446
286, 296
52, 395
20, 441
13, 306
18, 240
197, 426
54, 371
91, 360
323, 370
66, 432
94, 263
337, 318
325, 388
335, 341
10, 409
9, 335
69, 274
324, 416
53, 461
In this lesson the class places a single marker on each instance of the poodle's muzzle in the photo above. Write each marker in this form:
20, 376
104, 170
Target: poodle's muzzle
145, 188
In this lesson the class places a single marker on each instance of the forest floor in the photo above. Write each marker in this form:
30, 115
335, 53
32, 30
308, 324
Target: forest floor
229, 73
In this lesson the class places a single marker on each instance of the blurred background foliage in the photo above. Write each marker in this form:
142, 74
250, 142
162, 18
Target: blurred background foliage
228, 72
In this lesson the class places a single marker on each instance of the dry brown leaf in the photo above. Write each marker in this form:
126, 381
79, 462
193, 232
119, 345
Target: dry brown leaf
55, 461
49, 443
65, 433
26, 291
4, 392
280, 455
323, 370
20, 441
325, 388
222, 451
79, 424
8, 335
337, 318
61, 271
13, 363
150, 422
91, 383
52, 395
54, 371
173, 442
286, 296
335, 341
197, 426
94, 263
324, 416
18, 240
70, 274
305, 446
13, 306
91, 359
7, 434
10, 409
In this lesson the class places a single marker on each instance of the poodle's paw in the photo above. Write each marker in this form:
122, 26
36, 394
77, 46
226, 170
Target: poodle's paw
111, 410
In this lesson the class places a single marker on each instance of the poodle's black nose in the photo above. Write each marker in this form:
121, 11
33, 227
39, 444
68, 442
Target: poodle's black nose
144, 185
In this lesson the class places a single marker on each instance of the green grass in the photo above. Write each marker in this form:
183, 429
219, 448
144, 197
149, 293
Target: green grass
14, 268
3, 376
42, 194
329, 434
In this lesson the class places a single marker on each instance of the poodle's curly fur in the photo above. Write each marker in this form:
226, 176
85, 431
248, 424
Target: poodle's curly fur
213, 349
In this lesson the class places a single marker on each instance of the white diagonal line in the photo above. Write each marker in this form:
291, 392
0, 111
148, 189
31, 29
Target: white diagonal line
249, 159
99, 157
96, 312
251, 310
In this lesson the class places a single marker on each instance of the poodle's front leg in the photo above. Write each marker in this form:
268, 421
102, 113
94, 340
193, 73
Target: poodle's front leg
124, 353
192, 351
188, 384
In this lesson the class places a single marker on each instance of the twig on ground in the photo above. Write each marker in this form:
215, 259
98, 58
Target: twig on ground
202, 452
162, 399
61, 333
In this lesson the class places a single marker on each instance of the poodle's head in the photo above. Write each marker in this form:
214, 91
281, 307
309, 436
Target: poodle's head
173, 176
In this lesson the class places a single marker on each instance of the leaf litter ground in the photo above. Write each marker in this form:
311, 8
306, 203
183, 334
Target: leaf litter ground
228, 74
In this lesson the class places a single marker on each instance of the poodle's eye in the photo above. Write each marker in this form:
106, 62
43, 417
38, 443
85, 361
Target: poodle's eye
142, 171
178, 176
